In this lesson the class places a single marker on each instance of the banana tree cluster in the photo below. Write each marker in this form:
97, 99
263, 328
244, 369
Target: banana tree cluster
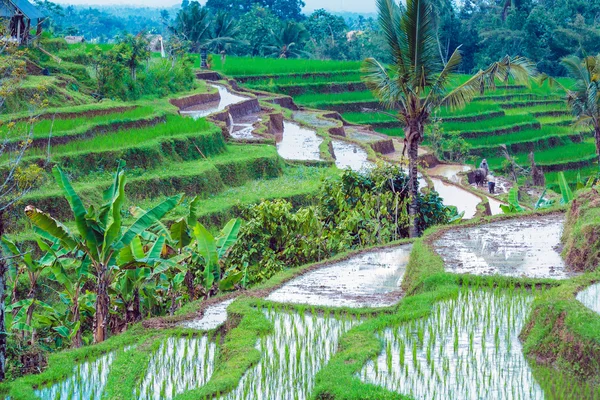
131, 268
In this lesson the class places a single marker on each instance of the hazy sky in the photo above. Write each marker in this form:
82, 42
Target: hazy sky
333, 5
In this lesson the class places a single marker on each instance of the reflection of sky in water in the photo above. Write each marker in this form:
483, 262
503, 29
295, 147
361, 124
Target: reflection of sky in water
360, 281
448, 171
469, 348
462, 199
523, 247
298, 143
590, 297
179, 365
227, 99
350, 155
214, 315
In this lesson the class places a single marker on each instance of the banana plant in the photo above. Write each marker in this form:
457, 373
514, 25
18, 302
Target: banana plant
565, 189
24, 263
513, 205
100, 235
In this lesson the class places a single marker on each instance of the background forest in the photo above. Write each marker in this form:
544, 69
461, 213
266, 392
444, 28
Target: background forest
542, 30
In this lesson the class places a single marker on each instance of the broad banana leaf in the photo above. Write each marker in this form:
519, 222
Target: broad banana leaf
194, 211
565, 190
180, 233
513, 199
51, 226
230, 280
76, 204
580, 184
207, 248
148, 219
229, 235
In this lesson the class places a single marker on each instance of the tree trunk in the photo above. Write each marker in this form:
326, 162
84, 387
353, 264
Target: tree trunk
102, 306
597, 136
31, 295
137, 313
3, 268
413, 186
77, 341
189, 283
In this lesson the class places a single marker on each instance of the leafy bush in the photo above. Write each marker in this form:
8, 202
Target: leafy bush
354, 211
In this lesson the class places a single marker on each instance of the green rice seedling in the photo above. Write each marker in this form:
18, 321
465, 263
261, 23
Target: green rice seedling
481, 356
491, 124
292, 80
64, 127
242, 66
87, 381
179, 365
278, 376
319, 100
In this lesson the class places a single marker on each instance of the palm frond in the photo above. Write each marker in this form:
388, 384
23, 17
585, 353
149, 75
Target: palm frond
389, 20
542, 78
439, 87
378, 80
575, 68
462, 94
418, 25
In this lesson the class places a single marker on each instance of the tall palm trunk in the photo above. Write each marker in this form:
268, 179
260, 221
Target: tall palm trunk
413, 186
102, 305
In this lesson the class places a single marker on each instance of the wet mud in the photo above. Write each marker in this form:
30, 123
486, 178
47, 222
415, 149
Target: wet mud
214, 316
298, 143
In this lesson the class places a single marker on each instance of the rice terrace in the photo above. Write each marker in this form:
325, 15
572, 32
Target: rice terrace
253, 199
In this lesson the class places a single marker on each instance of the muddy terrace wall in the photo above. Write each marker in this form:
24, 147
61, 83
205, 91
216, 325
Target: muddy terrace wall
200, 98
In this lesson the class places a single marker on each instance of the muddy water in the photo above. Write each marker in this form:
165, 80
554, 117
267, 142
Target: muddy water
298, 143
362, 135
86, 383
448, 171
468, 348
179, 365
311, 118
590, 297
243, 128
300, 345
453, 195
370, 279
214, 316
350, 155
495, 206
525, 247
203, 110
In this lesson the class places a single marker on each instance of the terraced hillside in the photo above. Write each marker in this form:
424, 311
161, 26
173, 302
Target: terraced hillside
165, 154
523, 118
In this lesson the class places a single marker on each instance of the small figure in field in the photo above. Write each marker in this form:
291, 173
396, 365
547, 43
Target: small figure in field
479, 176
491, 184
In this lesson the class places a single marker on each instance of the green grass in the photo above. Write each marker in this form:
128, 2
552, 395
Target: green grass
314, 79
174, 125
367, 117
536, 109
470, 109
334, 98
527, 135
572, 174
242, 66
67, 127
487, 124
556, 155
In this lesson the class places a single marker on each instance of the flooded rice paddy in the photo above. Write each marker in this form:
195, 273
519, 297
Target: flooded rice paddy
243, 128
370, 279
590, 297
298, 143
362, 134
179, 365
214, 316
448, 171
350, 155
453, 195
468, 348
312, 118
525, 247
86, 383
300, 345
202, 110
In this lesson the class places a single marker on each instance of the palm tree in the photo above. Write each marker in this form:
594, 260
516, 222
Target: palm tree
287, 42
416, 83
224, 34
584, 98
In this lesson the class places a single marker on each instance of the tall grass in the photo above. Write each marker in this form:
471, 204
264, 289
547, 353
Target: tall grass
63, 127
334, 98
239, 66
490, 124
174, 125
521, 136
314, 79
